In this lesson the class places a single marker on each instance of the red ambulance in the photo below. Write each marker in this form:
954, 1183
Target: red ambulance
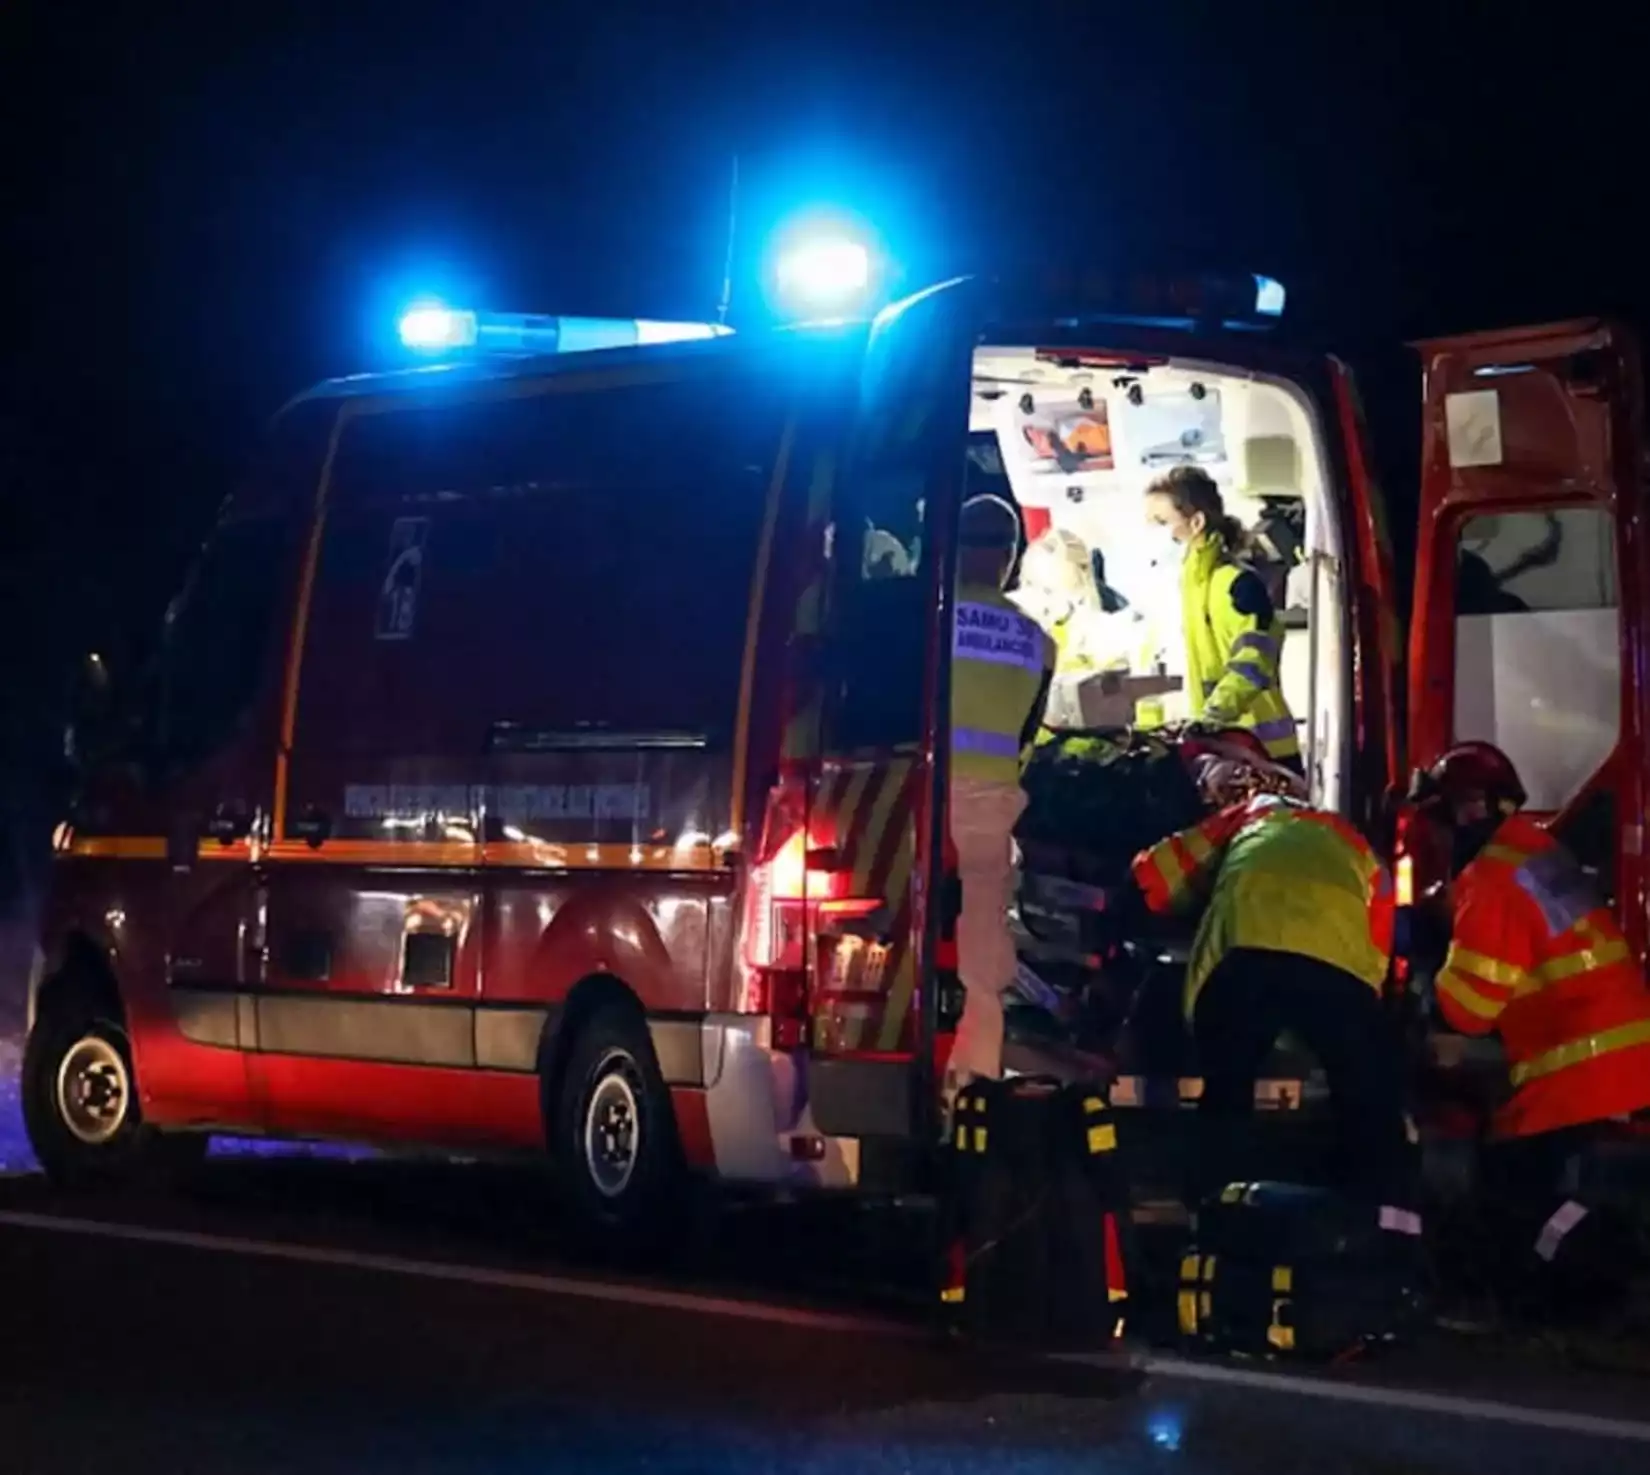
546, 752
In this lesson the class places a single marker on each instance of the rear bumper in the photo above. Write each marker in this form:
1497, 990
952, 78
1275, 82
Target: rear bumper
762, 1128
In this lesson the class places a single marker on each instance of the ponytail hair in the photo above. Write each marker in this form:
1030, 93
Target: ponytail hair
1191, 489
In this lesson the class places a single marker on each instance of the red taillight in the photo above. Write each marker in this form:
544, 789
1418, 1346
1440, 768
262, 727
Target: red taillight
792, 888
776, 910
788, 870
792, 883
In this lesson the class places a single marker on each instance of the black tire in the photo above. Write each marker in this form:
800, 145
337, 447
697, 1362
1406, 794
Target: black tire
80, 1106
613, 1135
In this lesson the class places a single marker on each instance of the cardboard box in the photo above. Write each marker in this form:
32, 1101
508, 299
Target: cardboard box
1107, 699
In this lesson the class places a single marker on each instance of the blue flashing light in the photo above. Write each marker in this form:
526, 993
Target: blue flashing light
433, 328
1269, 297
825, 272
1166, 1429
430, 327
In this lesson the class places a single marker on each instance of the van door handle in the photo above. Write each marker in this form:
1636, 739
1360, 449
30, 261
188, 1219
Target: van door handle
313, 826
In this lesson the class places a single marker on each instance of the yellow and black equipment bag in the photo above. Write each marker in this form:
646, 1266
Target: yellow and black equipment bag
1282, 1270
1034, 1217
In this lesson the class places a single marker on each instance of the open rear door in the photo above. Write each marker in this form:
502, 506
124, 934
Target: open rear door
1372, 600
875, 823
1529, 620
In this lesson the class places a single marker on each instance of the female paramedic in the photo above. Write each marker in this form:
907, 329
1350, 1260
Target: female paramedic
1234, 638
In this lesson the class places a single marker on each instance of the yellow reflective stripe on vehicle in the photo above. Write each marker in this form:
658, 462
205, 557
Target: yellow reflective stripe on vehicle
1583, 961
1508, 853
953, 1295
1460, 989
1102, 1138
1191, 1267
1578, 1052
1482, 965
1283, 1278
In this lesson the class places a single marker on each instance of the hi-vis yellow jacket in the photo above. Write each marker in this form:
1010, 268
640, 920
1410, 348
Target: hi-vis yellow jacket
1279, 877
1234, 640
1001, 663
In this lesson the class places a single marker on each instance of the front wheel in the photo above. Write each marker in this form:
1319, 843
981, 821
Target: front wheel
614, 1144
80, 1106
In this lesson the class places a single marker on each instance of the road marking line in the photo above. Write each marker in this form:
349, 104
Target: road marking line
551, 1285
618, 1293
1414, 1400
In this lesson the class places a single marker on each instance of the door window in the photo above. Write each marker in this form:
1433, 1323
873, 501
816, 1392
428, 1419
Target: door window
218, 635
913, 412
1538, 644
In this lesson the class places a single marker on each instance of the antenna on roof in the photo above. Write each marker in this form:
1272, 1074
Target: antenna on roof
727, 260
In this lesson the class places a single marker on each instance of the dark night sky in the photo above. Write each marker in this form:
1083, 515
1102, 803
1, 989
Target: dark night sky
213, 204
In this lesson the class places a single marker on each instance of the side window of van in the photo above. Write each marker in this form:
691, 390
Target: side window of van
219, 634
1538, 643
584, 553
223, 634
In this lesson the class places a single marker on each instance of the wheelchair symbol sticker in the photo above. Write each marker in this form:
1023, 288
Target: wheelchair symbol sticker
398, 595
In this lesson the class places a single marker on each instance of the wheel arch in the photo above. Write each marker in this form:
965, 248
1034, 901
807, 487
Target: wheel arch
588, 997
82, 971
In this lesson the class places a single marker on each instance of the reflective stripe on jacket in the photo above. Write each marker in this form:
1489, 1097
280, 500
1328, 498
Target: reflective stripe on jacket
1000, 660
1232, 654
1279, 877
1536, 954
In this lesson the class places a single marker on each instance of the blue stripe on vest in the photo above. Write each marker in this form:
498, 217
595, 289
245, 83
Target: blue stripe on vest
1559, 887
1250, 672
1271, 732
984, 742
1265, 646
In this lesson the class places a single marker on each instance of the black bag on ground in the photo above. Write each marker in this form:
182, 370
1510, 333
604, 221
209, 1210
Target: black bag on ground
1277, 1269
1034, 1232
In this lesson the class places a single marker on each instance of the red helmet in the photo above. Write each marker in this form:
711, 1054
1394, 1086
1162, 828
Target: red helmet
1226, 742
1467, 769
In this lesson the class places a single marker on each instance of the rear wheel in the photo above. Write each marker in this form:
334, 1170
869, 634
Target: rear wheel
80, 1104
614, 1133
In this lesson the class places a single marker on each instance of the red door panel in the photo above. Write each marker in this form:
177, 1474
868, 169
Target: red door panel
1529, 616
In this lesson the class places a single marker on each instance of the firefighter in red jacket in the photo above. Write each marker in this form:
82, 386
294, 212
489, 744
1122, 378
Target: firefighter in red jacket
1296, 937
1536, 956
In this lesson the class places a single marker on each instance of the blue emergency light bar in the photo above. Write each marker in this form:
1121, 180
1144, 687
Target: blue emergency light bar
1269, 297
434, 328
829, 272
1238, 301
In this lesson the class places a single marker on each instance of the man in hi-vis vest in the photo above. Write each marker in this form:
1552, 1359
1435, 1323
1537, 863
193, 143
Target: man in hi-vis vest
1002, 663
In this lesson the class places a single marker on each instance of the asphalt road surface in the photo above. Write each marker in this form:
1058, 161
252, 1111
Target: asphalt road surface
303, 1315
